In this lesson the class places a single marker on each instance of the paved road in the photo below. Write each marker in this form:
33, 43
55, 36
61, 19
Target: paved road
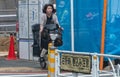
20, 66
24, 68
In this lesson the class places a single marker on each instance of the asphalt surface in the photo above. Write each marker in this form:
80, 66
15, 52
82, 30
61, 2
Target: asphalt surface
24, 68
19, 66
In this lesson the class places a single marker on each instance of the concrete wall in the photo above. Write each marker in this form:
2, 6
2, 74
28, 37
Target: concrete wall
8, 7
8, 4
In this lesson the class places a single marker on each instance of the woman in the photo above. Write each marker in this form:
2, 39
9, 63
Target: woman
49, 17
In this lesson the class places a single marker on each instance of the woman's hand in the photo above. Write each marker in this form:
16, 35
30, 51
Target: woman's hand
41, 28
61, 28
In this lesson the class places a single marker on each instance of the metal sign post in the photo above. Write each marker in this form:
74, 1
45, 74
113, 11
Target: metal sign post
52, 72
51, 60
95, 66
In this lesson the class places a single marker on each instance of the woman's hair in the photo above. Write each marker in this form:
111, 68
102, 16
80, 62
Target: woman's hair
46, 6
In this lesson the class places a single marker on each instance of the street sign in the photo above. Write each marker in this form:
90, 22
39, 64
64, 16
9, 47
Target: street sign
76, 63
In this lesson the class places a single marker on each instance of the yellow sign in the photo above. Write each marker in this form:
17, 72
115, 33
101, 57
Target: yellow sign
76, 63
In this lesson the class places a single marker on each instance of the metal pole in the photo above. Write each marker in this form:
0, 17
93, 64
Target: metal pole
75, 74
95, 66
72, 29
103, 33
49, 45
72, 24
56, 64
87, 53
118, 70
51, 60
113, 68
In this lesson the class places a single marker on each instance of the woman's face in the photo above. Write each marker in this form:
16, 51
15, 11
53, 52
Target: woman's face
49, 10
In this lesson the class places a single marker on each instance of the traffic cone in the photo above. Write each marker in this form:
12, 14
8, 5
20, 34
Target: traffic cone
11, 54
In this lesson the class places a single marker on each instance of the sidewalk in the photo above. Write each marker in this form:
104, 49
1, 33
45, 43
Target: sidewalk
19, 65
3, 53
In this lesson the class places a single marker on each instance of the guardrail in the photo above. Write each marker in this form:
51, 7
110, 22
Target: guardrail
118, 70
95, 72
54, 57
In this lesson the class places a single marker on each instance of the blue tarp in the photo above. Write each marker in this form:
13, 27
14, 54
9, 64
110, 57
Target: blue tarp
112, 41
88, 25
63, 12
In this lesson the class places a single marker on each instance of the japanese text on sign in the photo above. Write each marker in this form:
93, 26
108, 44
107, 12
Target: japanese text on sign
76, 63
